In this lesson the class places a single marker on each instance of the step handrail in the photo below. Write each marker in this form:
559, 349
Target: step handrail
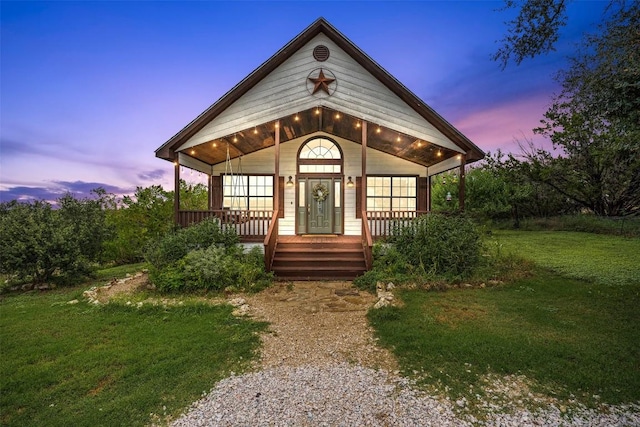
367, 241
270, 241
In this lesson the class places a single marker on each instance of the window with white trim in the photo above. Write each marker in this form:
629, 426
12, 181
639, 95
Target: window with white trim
392, 193
320, 155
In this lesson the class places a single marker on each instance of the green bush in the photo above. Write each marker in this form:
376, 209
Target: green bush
175, 245
40, 243
205, 257
437, 245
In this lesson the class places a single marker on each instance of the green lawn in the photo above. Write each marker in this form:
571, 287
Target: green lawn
75, 364
568, 335
606, 259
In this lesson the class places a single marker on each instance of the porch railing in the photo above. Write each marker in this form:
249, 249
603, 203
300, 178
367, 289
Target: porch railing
251, 226
382, 223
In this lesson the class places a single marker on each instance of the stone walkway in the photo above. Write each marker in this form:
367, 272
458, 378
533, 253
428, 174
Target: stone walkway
317, 323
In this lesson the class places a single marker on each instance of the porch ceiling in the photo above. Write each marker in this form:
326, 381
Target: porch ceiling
333, 122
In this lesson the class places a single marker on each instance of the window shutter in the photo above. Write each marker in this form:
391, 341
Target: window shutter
216, 192
281, 197
422, 193
358, 197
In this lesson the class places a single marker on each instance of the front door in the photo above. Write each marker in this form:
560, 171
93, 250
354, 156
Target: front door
319, 206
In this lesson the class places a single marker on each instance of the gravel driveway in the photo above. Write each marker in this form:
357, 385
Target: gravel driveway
320, 366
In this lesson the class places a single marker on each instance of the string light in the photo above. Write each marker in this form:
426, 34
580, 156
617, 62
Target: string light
296, 118
398, 138
439, 153
235, 139
215, 144
193, 151
419, 144
337, 115
317, 111
378, 130
255, 130
358, 125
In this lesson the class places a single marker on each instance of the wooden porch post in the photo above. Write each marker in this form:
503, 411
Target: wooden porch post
210, 192
428, 192
176, 191
363, 180
276, 179
461, 184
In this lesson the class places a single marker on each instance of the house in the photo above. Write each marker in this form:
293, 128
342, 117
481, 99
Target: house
316, 154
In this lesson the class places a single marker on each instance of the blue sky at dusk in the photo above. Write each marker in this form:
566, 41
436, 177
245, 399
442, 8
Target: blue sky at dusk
88, 90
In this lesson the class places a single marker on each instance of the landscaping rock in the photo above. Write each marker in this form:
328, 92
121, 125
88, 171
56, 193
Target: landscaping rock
237, 302
382, 302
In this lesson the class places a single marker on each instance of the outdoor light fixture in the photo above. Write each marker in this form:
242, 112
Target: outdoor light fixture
290, 182
349, 183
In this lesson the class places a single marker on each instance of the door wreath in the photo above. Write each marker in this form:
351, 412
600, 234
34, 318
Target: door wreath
320, 192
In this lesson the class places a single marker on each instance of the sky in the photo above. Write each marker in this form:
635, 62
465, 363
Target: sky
89, 89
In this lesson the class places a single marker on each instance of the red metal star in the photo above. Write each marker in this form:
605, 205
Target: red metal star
321, 83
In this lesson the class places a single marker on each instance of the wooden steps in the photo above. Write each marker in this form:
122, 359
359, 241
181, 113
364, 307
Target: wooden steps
318, 259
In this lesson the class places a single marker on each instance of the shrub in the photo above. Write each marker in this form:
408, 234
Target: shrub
205, 257
175, 245
438, 245
38, 242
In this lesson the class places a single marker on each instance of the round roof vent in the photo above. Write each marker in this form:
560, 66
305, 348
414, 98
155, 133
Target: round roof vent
321, 53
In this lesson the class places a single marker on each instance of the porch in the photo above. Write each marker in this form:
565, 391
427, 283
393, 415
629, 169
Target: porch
307, 256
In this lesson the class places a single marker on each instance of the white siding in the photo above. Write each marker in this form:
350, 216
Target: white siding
284, 92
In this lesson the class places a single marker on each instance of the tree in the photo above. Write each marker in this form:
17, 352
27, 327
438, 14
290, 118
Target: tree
193, 197
533, 32
38, 242
594, 123
138, 219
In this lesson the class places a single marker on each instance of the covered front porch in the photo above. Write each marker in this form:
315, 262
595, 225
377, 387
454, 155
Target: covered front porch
369, 222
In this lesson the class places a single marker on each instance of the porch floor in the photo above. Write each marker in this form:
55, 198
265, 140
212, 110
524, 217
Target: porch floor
335, 239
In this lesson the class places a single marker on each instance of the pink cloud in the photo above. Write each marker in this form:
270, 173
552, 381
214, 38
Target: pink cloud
502, 126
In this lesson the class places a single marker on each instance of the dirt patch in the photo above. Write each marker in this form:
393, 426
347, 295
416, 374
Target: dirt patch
127, 285
453, 315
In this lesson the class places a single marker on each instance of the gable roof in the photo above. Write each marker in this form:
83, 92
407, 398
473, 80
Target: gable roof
320, 26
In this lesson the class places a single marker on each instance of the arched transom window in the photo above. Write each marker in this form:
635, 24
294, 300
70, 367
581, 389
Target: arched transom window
320, 155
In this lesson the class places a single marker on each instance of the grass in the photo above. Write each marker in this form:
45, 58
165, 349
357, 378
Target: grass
75, 364
621, 226
119, 271
608, 260
572, 331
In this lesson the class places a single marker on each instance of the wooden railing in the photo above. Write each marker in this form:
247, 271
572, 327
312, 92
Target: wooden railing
382, 223
270, 241
367, 242
251, 226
